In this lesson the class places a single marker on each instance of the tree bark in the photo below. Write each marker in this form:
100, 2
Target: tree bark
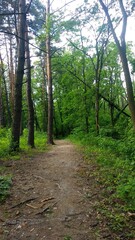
85, 87
7, 120
98, 69
15, 140
11, 66
1, 102
11, 76
29, 94
44, 96
49, 77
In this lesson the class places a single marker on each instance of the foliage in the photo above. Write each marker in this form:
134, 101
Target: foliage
115, 172
37, 15
4, 141
76, 77
40, 143
117, 158
5, 184
67, 238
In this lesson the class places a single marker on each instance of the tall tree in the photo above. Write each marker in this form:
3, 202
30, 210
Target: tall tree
19, 77
49, 76
6, 109
11, 67
1, 99
121, 44
29, 94
44, 96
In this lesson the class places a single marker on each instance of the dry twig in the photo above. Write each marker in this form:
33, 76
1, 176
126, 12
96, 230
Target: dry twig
46, 209
21, 203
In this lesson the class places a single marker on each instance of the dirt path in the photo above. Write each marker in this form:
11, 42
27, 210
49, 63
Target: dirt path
63, 205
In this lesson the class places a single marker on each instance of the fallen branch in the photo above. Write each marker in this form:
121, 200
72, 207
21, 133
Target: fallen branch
46, 209
25, 201
115, 106
34, 207
47, 199
40, 205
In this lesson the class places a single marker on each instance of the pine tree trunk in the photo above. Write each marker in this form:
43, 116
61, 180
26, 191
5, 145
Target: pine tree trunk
11, 76
44, 97
15, 140
1, 103
29, 95
49, 78
11, 67
7, 117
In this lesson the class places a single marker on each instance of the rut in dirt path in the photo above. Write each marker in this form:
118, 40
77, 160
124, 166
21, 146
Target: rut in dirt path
60, 209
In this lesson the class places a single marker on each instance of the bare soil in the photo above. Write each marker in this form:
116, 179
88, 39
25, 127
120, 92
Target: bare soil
51, 198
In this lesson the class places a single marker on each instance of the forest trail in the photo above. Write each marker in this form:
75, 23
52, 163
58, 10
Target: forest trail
51, 199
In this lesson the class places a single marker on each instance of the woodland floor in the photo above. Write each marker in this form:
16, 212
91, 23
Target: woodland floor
52, 199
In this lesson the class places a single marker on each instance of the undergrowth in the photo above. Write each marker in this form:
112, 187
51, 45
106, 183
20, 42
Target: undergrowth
25, 150
5, 184
116, 171
5, 137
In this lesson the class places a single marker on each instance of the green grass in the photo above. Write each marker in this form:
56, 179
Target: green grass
116, 172
5, 137
4, 142
116, 164
67, 238
40, 141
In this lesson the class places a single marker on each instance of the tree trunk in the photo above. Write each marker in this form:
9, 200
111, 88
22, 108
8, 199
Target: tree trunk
29, 94
111, 99
1, 102
44, 97
19, 78
98, 68
129, 87
49, 78
97, 107
85, 87
11, 76
11, 67
8, 118
123, 55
